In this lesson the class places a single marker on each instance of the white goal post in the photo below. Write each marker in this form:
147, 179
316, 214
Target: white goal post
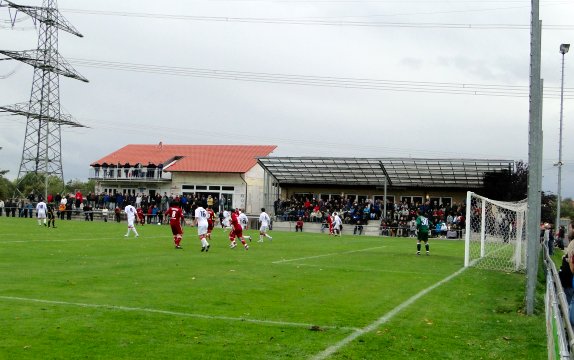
495, 235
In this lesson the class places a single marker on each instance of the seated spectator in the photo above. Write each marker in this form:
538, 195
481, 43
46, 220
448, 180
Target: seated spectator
316, 216
299, 225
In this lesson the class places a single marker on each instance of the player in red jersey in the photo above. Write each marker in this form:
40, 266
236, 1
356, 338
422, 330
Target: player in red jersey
140, 215
236, 231
175, 215
330, 222
210, 220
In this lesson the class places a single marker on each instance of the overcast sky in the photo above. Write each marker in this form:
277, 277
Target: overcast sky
381, 78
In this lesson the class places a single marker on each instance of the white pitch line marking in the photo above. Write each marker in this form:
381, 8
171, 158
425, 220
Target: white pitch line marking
324, 255
176, 313
383, 319
119, 238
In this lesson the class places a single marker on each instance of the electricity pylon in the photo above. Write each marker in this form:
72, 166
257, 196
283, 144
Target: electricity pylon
42, 151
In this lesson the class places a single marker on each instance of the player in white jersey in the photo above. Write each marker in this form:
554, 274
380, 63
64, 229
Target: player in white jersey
265, 220
131, 214
337, 224
41, 210
201, 217
243, 221
226, 220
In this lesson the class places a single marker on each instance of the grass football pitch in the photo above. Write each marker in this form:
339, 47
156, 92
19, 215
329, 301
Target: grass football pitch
84, 291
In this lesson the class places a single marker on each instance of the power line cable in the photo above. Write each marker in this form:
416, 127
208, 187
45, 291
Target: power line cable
326, 81
317, 22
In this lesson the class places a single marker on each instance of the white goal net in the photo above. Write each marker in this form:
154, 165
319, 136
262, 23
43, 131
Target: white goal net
495, 234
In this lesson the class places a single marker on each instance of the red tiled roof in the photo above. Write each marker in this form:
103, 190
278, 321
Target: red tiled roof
191, 158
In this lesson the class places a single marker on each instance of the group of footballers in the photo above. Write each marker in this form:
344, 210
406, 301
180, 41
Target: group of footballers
236, 221
204, 220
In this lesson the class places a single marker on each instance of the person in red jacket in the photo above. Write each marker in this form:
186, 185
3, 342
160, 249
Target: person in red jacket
299, 225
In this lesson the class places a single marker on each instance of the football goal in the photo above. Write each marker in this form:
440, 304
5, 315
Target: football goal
495, 235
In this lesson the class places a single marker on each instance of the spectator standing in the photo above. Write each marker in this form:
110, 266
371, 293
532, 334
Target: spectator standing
79, 199
559, 236
105, 213
2, 207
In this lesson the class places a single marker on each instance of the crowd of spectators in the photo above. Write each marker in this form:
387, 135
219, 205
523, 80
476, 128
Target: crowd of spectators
399, 219
66, 205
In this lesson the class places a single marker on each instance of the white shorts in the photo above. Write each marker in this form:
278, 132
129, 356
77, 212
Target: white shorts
41, 214
131, 222
263, 228
201, 230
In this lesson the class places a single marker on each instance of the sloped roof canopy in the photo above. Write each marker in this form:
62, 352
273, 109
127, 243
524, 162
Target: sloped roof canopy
188, 158
402, 172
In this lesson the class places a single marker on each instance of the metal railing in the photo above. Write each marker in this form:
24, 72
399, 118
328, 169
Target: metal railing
129, 174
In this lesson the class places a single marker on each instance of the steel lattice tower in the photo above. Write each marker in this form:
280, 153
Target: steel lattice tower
42, 151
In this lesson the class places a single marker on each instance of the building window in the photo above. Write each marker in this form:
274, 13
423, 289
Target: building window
228, 188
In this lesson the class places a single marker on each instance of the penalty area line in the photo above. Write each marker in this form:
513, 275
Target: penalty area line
383, 319
175, 313
324, 255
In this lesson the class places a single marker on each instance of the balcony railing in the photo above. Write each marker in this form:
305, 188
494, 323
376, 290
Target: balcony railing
130, 174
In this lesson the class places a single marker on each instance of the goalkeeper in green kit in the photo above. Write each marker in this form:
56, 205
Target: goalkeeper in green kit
423, 226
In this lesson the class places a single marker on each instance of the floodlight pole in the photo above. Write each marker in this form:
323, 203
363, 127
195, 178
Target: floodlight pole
534, 158
563, 50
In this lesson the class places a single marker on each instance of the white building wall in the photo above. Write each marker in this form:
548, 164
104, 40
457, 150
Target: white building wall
247, 193
255, 184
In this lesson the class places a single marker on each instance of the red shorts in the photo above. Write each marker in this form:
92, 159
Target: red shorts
236, 232
209, 226
176, 228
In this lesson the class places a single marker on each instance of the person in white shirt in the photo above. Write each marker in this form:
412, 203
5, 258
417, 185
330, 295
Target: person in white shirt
337, 224
226, 220
41, 209
131, 215
243, 221
201, 216
105, 213
265, 221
